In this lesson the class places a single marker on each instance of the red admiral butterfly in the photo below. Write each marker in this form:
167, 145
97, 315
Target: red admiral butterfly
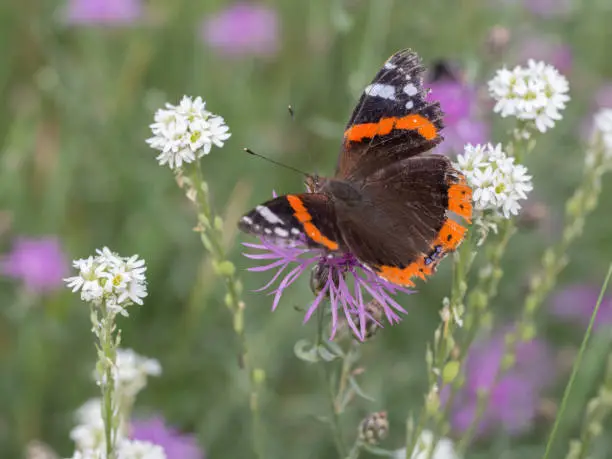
389, 202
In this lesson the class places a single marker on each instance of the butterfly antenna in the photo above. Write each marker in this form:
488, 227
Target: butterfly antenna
291, 111
286, 166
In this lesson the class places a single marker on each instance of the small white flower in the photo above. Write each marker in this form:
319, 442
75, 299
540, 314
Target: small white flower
186, 132
445, 449
498, 183
117, 281
136, 449
603, 125
88, 454
132, 371
89, 432
535, 93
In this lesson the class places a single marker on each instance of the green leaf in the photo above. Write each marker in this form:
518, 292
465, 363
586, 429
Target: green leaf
360, 391
325, 354
303, 353
335, 348
450, 371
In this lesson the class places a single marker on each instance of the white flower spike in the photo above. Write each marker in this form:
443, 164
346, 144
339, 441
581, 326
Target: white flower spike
186, 132
536, 93
498, 183
107, 277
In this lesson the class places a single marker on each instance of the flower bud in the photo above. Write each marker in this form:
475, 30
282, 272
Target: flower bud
374, 428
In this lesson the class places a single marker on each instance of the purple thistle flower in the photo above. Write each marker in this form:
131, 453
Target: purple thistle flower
514, 397
175, 444
103, 12
39, 263
331, 273
243, 29
575, 304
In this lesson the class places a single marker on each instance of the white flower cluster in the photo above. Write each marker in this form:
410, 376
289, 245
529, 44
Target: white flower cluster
136, 449
107, 277
445, 448
88, 435
126, 449
603, 124
131, 374
498, 183
534, 93
186, 132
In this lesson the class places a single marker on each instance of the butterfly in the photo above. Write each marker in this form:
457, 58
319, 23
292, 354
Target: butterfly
391, 204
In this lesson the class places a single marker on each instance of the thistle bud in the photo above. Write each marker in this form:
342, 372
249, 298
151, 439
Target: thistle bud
374, 428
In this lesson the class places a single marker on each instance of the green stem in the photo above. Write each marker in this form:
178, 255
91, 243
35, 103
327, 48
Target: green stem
478, 301
355, 450
211, 234
568, 388
583, 201
107, 382
328, 379
444, 340
597, 410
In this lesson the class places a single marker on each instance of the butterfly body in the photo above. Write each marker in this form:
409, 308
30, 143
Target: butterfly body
389, 203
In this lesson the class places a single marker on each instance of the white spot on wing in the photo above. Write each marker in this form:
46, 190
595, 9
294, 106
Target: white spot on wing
281, 232
409, 105
268, 215
295, 231
267, 231
386, 91
247, 220
390, 66
410, 89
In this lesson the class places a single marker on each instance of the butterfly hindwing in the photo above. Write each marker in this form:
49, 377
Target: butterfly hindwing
392, 120
402, 228
308, 218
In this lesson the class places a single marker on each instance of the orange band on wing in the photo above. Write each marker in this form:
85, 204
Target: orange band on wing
301, 213
413, 122
402, 276
450, 236
460, 201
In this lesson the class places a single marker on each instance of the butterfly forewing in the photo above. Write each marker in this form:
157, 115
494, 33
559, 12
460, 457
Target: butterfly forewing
301, 218
392, 120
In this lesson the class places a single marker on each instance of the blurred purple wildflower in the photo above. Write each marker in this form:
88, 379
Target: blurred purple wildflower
601, 99
459, 102
39, 263
514, 397
333, 271
575, 304
175, 444
603, 96
547, 49
548, 8
243, 29
103, 12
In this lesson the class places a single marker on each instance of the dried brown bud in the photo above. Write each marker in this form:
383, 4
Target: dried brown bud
533, 215
374, 428
498, 39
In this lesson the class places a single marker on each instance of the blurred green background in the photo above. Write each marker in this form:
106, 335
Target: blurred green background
77, 99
